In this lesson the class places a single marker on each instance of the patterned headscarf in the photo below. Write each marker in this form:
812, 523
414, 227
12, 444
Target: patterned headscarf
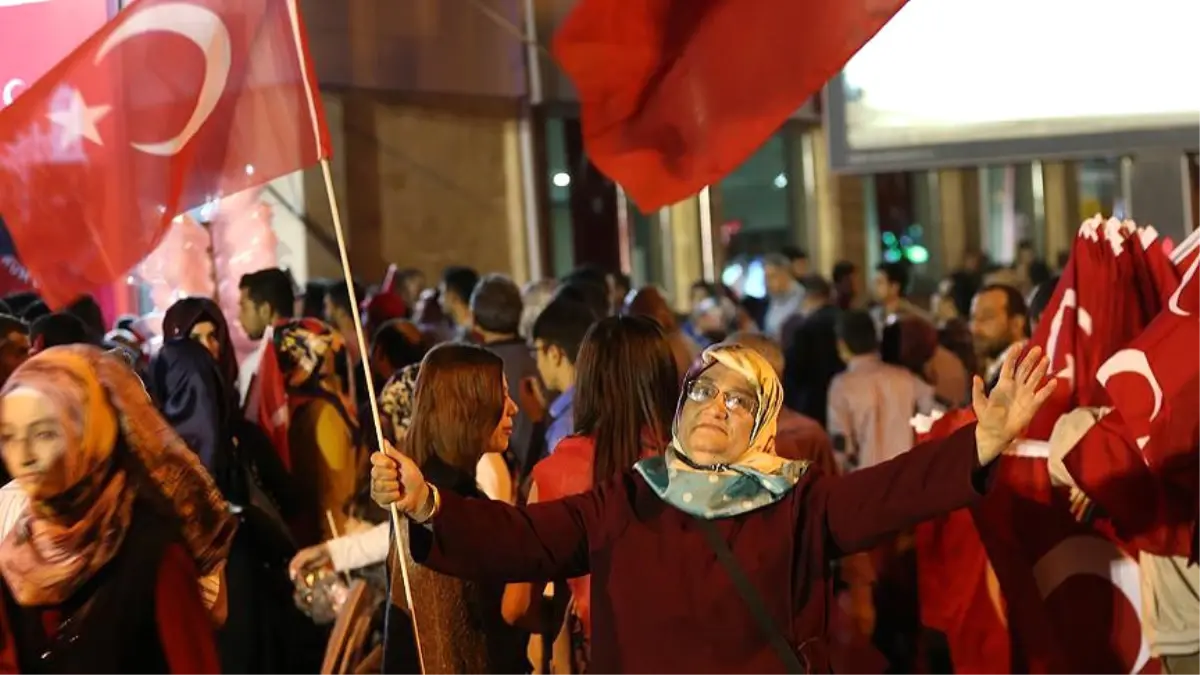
396, 402
307, 360
757, 478
79, 515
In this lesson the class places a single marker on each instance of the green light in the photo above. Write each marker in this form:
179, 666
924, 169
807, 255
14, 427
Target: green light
917, 255
889, 239
891, 255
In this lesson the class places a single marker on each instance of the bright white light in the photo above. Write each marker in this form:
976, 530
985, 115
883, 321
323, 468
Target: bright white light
561, 179
249, 169
781, 181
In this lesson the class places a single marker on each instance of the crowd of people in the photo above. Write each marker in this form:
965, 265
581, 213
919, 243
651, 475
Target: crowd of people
581, 469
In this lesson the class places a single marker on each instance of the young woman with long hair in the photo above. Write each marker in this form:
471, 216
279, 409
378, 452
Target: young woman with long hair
462, 414
626, 388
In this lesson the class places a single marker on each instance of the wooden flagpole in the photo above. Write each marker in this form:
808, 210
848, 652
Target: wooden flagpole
340, 234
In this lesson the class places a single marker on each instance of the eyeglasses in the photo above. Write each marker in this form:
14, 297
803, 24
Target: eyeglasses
703, 391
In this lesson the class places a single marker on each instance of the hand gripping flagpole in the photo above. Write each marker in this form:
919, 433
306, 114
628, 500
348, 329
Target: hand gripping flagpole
365, 355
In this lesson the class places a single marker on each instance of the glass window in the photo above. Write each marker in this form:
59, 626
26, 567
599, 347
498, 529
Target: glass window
755, 205
1100, 188
562, 236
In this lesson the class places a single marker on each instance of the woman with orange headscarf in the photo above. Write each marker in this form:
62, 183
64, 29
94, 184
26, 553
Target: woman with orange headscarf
101, 571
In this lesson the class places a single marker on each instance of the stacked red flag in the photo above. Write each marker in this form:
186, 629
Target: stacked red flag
959, 594
1070, 584
171, 104
675, 94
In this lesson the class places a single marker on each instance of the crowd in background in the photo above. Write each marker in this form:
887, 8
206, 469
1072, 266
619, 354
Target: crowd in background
591, 371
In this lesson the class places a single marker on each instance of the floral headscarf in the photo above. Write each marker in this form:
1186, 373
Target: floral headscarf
396, 402
757, 478
101, 402
307, 360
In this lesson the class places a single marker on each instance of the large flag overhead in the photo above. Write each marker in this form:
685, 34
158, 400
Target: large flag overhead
675, 94
170, 105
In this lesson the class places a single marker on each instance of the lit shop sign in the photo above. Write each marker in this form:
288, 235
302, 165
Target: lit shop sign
37, 34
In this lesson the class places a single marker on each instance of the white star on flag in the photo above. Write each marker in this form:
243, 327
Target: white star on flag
79, 121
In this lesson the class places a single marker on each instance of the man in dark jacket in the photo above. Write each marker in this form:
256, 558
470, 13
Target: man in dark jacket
496, 317
811, 353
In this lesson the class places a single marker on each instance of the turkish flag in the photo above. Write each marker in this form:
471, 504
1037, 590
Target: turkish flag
1152, 510
959, 594
1074, 595
170, 105
675, 94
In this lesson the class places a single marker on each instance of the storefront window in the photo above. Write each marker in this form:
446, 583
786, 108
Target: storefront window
1100, 188
754, 207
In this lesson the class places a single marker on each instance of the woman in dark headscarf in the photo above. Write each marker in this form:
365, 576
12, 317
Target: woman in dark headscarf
202, 320
188, 385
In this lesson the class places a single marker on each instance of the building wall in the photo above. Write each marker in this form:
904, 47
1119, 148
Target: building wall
421, 184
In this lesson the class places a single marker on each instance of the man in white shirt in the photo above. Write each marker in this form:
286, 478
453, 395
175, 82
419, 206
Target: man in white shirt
267, 296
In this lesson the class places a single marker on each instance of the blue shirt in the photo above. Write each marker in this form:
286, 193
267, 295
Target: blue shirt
562, 419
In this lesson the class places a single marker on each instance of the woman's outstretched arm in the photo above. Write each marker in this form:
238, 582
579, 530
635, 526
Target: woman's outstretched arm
859, 509
487, 540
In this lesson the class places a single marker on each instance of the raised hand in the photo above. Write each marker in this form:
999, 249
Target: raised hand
1007, 411
395, 479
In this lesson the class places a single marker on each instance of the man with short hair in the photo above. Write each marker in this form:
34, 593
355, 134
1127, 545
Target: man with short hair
890, 290
56, 330
872, 402
797, 261
999, 322
812, 357
14, 345
338, 312
495, 314
785, 296
265, 297
557, 334
846, 284
454, 295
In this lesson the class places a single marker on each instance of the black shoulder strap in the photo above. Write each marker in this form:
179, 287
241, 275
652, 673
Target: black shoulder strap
752, 598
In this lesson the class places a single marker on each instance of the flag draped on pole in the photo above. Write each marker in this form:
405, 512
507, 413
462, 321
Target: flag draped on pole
675, 94
172, 104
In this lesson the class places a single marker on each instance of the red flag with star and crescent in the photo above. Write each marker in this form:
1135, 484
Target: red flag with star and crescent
172, 104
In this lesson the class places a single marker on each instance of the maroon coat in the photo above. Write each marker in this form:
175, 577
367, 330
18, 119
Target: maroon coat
661, 602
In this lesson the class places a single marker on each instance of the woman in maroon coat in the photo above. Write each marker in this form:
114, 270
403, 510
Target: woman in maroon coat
652, 539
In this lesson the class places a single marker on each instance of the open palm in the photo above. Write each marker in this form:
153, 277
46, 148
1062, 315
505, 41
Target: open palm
1004, 413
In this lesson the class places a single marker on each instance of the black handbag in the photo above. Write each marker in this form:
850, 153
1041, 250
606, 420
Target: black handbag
753, 600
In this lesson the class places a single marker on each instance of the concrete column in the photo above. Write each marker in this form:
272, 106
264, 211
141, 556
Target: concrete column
840, 229
1061, 198
681, 225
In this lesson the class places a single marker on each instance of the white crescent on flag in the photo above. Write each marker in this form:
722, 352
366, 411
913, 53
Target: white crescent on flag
1096, 556
206, 30
1133, 361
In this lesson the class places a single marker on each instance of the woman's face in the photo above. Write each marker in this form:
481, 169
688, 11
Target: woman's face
205, 333
717, 416
33, 441
503, 431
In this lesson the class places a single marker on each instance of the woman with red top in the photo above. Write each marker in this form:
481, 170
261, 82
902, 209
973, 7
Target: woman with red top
626, 387
713, 557
100, 573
